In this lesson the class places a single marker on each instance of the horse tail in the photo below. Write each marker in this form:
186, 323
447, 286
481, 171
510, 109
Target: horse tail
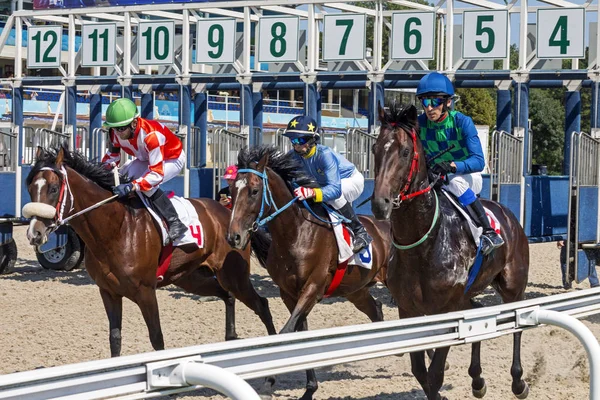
260, 242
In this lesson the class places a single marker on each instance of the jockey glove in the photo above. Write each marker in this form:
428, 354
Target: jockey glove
123, 189
443, 168
304, 193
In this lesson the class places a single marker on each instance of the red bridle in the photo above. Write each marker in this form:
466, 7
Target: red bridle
414, 168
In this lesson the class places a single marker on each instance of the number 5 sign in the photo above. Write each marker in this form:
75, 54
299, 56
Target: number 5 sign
413, 35
485, 35
560, 33
343, 37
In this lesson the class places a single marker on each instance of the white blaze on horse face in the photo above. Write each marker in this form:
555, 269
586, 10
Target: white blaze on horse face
40, 184
387, 146
239, 184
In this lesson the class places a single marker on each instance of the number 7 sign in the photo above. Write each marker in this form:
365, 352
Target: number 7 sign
344, 37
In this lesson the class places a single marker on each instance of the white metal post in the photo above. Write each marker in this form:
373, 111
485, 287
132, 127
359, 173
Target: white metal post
449, 34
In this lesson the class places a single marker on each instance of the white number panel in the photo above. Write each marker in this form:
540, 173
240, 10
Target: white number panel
278, 39
560, 33
413, 35
44, 46
155, 42
98, 45
485, 34
344, 37
215, 41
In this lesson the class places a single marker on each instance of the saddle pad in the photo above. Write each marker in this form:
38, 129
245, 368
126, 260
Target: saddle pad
187, 215
343, 238
476, 231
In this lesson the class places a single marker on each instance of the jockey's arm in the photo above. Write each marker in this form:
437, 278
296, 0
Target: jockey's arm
333, 189
155, 173
113, 154
475, 162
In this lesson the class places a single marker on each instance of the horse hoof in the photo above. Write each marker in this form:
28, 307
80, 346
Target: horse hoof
307, 396
524, 393
479, 393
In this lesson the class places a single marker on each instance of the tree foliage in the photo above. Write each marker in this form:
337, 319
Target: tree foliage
546, 111
479, 104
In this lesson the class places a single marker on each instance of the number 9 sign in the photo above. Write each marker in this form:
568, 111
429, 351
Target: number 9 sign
215, 41
412, 36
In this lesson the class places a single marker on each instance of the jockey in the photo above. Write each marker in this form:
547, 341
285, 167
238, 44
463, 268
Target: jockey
341, 183
159, 157
441, 128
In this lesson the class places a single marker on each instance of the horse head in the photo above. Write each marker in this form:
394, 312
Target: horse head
247, 195
399, 162
46, 185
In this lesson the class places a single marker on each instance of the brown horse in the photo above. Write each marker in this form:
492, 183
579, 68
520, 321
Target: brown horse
303, 256
123, 245
430, 276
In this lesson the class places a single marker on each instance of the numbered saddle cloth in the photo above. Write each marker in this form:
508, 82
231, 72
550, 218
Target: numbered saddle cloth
343, 237
187, 215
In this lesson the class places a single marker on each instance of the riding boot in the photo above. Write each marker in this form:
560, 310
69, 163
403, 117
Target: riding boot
162, 204
490, 239
361, 236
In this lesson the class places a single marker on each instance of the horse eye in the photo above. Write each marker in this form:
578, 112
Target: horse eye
254, 192
53, 189
405, 153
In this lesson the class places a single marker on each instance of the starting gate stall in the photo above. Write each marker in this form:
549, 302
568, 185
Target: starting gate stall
584, 186
225, 146
507, 177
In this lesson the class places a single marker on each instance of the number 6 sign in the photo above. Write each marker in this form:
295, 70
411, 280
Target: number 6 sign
413, 35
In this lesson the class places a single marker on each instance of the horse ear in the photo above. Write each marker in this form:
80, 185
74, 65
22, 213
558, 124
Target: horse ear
263, 163
411, 113
60, 156
39, 153
380, 112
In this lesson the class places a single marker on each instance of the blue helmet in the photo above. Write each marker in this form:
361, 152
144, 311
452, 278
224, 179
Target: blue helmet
301, 126
435, 83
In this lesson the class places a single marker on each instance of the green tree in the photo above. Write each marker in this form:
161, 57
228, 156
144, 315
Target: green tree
546, 111
478, 104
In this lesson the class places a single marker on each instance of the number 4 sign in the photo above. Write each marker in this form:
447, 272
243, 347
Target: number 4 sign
560, 33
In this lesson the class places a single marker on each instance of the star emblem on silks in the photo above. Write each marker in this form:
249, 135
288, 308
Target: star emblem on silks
311, 127
294, 123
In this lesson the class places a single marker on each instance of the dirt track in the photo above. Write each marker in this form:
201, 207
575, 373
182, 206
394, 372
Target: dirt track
55, 318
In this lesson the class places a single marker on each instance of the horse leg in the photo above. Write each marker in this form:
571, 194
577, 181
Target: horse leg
113, 304
435, 374
303, 306
510, 285
478, 385
146, 301
363, 300
201, 285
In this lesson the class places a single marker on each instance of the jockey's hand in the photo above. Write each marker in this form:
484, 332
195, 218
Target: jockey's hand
123, 189
304, 193
444, 168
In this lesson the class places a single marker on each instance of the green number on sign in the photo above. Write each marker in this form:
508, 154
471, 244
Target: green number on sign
218, 42
560, 29
148, 35
412, 32
278, 38
37, 38
104, 36
348, 23
485, 30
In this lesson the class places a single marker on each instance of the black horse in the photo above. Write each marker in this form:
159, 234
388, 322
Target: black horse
430, 277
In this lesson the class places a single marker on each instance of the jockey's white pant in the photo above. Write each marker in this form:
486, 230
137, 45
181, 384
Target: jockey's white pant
352, 187
137, 168
459, 186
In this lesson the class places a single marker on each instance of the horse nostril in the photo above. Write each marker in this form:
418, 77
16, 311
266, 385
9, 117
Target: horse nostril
386, 200
237, 239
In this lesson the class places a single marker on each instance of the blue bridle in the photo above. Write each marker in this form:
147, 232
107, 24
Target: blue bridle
268, 200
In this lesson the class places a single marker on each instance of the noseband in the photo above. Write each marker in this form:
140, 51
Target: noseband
38, 209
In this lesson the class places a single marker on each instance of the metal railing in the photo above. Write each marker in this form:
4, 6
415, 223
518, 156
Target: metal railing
359, 145
8, 150
41, 137
225, 146
195, 153
506, 161
281, 141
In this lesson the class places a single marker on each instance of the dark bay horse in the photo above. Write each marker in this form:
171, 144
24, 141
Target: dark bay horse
430, 278
123, 245
303, 256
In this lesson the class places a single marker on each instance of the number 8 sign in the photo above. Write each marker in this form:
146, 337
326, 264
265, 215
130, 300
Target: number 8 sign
278, 39
560, 33
412, 36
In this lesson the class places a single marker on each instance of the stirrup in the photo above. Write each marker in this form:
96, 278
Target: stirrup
488, 244
360, 243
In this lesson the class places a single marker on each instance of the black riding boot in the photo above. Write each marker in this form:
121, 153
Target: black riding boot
490, 239
361, 236
162, 204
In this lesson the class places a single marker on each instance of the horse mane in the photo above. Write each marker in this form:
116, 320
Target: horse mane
401, 116
286, 165
93, 170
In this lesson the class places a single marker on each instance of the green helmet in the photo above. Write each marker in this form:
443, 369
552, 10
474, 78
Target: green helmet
120, 113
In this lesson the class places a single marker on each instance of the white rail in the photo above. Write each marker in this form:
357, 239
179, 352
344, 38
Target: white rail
165, 372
